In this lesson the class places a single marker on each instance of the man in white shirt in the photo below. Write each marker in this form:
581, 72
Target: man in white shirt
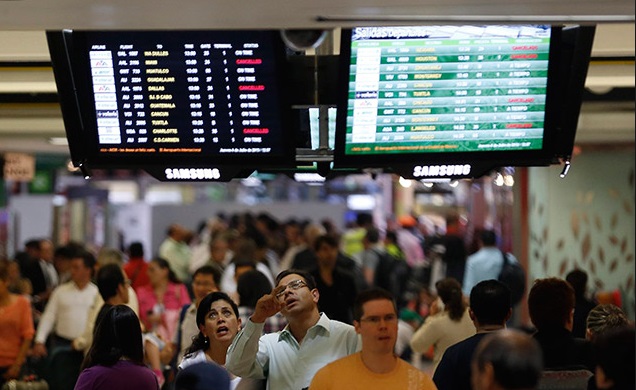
66, 313
289, 359
64, 318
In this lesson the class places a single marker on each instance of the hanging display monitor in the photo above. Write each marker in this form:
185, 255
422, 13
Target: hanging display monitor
447, 101
175, 99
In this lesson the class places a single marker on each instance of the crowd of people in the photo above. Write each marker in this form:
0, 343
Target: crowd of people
249, 303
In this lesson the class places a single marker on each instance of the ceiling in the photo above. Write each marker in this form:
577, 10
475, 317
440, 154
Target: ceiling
28, 127
225, 14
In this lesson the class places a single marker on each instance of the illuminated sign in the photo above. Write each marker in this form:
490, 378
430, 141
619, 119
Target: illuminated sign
441, 170
197, 173
192, 174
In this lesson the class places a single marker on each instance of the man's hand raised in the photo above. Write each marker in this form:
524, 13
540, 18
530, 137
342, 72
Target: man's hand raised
266, 306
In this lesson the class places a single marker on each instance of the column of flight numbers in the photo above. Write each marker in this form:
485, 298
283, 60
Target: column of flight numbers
129, 70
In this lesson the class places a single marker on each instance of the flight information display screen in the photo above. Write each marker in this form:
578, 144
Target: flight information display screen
196, 96
445, 90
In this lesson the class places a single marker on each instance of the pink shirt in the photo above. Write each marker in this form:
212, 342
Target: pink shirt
174, 299
16, 325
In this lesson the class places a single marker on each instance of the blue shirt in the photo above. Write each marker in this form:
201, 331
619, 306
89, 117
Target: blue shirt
484, 264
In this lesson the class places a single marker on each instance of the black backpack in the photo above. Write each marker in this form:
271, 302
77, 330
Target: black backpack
514, 277
392, 274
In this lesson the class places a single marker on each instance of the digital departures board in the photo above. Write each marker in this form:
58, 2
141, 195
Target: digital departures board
185, 93
447, 89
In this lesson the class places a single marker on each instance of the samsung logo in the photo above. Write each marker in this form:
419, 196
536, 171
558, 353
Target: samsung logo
441, 170
192, 173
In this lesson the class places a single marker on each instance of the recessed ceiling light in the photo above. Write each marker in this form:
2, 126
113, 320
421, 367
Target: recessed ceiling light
60, 141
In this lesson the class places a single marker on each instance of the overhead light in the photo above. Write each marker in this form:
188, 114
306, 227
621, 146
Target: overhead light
58, 141
499, 179
436, 180
406, 183
309, 178
509, 180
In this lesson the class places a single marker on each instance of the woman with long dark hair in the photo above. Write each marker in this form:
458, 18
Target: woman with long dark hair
445, 325
218, 321
115, 359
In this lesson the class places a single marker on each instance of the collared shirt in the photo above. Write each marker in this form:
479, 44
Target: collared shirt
66, 313
285, 363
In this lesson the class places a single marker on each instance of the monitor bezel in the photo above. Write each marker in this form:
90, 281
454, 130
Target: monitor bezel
404, 162
69, 55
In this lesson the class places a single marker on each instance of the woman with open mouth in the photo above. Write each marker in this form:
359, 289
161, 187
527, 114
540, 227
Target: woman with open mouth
218, 321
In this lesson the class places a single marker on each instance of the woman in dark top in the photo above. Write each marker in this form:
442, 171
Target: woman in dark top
115, 359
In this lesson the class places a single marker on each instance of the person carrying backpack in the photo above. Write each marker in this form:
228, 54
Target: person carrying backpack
489, 262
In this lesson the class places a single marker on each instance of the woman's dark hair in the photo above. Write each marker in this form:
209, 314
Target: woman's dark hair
450, 291
118, 335
163, 263
251, 286
199, 342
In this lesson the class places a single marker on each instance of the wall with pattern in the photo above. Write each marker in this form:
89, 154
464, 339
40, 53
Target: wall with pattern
586, 221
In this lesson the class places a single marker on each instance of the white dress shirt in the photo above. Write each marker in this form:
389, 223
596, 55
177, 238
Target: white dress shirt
66, 313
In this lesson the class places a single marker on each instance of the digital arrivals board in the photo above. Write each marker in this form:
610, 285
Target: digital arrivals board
444, 93
147, 98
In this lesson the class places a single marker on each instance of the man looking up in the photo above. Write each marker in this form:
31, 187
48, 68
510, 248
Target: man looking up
490, 308
376, 366
289, 359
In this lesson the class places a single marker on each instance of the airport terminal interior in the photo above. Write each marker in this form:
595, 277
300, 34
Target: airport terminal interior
551, 221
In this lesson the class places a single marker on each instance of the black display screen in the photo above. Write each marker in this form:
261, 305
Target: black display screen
450, 95
154, 98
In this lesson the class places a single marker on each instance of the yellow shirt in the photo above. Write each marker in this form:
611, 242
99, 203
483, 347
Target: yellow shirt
350, 373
